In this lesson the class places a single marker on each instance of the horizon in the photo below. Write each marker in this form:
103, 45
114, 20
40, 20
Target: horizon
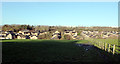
61, 25
61, 13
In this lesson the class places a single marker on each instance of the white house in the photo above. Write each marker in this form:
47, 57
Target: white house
9, 36
33, 37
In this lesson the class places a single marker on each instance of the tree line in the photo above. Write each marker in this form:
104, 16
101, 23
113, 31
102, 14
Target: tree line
17, 28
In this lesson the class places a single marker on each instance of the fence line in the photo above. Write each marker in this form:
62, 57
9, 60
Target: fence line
106, 46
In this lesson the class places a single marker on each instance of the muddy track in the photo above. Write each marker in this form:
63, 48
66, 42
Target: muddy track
88, 46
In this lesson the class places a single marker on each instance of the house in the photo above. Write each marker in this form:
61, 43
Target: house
46, 32
6, 36
12, 33
105, 36
41, 33
9, 36
27, 33
21, 32
72, 33
24, 32
21, 37
3, 35
56, 35
33, 37
34, 33
96, 32
68, 32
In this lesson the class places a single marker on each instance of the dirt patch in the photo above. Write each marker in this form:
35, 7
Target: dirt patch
89, 46
86, 46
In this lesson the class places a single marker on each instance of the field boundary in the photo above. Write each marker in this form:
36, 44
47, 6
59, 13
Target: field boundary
112, 48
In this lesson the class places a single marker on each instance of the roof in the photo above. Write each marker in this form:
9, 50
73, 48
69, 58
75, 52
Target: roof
34, 32
25, 30
21, 35
57, 32
33, 35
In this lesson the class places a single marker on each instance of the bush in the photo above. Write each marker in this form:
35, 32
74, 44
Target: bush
41, 36
67, 37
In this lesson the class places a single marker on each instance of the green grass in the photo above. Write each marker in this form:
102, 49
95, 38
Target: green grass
82, 41
51, 51
109, 41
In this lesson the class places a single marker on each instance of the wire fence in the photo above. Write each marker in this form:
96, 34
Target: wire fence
115, 49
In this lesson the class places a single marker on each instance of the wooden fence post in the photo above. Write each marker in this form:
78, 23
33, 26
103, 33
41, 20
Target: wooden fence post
105, 46
109, 48
113, 49
101, 45
97, 44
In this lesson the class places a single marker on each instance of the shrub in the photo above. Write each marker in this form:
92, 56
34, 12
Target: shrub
67, 37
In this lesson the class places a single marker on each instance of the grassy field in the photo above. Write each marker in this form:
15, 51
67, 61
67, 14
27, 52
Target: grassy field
52, 51
109, 41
